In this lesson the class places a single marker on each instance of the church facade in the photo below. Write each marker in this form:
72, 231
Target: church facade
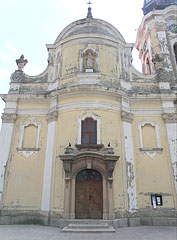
91, 137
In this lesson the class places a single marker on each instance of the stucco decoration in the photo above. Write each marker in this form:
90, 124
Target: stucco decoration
170, 117
27, 152
157, 58
90, 114
9, 117
17, 76
162, 75
126, 116
150, 152
52, 116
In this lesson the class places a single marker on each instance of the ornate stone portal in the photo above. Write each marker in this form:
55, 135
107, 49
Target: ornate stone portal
102, 161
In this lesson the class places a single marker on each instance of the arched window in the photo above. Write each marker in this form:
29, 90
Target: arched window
89, 131
175, 51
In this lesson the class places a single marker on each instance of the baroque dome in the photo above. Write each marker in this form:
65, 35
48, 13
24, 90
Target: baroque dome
92, 27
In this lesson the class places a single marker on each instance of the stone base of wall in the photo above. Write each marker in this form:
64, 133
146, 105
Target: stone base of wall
165, 217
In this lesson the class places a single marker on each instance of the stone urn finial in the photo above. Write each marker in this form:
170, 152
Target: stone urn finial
21, 62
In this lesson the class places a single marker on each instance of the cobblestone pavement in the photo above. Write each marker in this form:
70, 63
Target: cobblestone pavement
34, 232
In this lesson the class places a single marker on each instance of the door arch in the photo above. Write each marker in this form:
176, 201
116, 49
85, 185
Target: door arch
89, 195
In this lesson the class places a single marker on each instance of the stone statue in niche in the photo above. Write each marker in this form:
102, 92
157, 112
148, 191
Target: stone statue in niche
89, 62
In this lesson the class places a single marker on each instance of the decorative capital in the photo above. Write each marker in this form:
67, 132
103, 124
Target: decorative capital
21, 62
51, 117
9, 117
170, 117
126, 116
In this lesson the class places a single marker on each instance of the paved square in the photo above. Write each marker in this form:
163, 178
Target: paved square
34, 232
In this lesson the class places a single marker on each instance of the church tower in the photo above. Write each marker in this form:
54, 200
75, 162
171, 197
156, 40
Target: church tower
157, 39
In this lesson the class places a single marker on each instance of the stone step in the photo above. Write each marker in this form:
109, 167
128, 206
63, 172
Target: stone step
72, 226
88, 226
86, 221
88, 230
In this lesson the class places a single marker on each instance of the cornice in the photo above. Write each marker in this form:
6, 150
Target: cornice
88, 90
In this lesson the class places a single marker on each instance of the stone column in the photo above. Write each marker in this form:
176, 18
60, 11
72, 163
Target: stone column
171, 125
8, 120
49, 158
127, 119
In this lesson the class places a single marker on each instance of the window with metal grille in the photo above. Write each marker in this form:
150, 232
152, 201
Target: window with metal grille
89, 131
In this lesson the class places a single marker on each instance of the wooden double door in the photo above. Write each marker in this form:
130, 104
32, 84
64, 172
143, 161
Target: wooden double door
89, 195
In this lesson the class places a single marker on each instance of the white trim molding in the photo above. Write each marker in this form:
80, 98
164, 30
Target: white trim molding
151, 152
28, 152
130, 163
171, 126
48, 169
89, 114
6, 134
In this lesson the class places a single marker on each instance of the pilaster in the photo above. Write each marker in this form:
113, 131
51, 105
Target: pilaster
127, 119
49, 158
6, 134
171, 126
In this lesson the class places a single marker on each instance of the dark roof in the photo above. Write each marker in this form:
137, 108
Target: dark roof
150, 5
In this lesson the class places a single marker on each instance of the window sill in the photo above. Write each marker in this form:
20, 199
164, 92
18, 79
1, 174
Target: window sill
28, 152
151, 152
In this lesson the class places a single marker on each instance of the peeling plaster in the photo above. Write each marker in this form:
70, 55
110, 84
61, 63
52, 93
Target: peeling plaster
129, 157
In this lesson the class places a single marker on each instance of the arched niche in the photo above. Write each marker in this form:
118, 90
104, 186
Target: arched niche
89, 60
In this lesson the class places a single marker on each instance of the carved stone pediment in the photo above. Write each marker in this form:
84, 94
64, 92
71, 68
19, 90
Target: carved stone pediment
107, 157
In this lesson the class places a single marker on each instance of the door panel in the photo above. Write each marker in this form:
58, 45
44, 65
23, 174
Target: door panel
89, 196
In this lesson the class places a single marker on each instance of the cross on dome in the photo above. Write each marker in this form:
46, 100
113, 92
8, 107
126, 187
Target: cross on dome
89, 14
89, 3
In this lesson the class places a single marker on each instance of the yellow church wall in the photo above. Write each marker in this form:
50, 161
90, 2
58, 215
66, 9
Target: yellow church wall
67, 132
24, 178
146, 105
150, 172
70, 59
97, 99
108, 60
